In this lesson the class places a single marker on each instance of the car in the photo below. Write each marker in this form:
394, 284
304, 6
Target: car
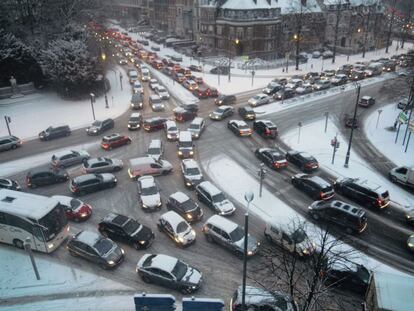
347, 216
154, 124
221, 70
191, 173
214, 198
176, 58
114, 141
247, 113
44, 176
348, 275
137, 101
182, 114
88, 183
410, 243
221, 113
185, 145
102, 165
356, 75
96, 248
190, 106
169, 272
155, 149
404, 104
148, 166
135, 121
306, 88
156, 103
149, 194
9, 184
294, 82
303, 160
271, 157
190, 85
75, 209
179, 77
316, 54
265, 128
54, 132
258, 100
9, 143
137, 87
350, 121
339, 79
314, 186
260, 299
133, 75
162, 92
171, 130
366, 101
180, 203
177, 228
196, 127
225, 100
284, 93
199, 80
294, 240
127, 230
229, 235
123, 61
327, 54
153, 84
99, 127
155, 48
195, 68
239, 127
213, 92
272, 88
69, 157
363, 191
322, 84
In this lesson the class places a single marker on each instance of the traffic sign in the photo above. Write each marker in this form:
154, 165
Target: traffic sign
402, 117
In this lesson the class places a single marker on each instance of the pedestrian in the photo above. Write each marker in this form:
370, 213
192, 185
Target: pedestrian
283, 69
311, 66
395, 124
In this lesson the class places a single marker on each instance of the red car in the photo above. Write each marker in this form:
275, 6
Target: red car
182, 115
201, 92
114, 141
75, 209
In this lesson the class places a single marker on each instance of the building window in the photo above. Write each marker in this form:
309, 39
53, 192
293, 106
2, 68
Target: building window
249, 32
240, 32
219, 30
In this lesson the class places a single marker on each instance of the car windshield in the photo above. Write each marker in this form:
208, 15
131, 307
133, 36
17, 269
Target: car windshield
172, 129
161, 89
97, 123
256, 97
75, 204
134, 119
154, 150
192, 171
298, 236
182, 227
131, 226
186, 144
243, 127
194, 126
220, 110
103, 246
156, 100
188, 206
53, 222
219, 197
237, 234
149, 191
179, 270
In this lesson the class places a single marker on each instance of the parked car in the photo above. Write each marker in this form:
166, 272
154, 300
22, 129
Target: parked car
171, 130
247, 113
182, 114
363, 191
148, 166
154, 124
225, 100
303, 160
135, 121
96, 248
162, 92
155, 149
265, 128
196, 127
221, 113
284, 93
9, 184
351, 218
239, 127
44, 176
127, 230
229, 235
314, 186
55, 132
137, 101
366, 101
258, 100
69, 157
114, 141
271, 157
88, 183
9, 143
327, 54
191, 172
316, 54
195, 68
348, 275
169, 272
149, 194
177, 228
180, 203
221, 70
75, 209
215, 199
102, 165
272, 88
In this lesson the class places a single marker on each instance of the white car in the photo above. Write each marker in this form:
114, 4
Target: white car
149, 194
306, 88
171, 130
137, 87
155, 149
177, 228
191, 172
258, 100
162, 92
153, 84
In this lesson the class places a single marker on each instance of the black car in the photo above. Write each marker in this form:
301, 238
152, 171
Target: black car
154, 124
351, 218
225, 100
265, 128
284, 93
271, 157
303, 160
247, 113
99, 127
180, 203
92, 182
195, 68
46, 176
314, 186
364, 192
9, 184
348, 275
54, 132
127, 230
96, 248
221, 70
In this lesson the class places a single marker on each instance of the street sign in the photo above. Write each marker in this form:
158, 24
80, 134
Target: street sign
335, 142
402, 117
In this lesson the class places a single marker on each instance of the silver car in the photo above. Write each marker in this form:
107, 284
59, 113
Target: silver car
258, 100
149, 194
191, 172
162, 92
102, 165
9, 142
177, 228
69, 157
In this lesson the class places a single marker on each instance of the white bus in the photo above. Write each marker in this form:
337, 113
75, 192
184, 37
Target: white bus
24, 215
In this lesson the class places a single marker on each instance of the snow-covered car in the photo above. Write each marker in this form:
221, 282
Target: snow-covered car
239, 127
258, 100
306, 88
153, 83
162, 92
177, 228
75, 209
149, 194
316, 54
133, 76
327, 54
156, 103
137, 87
191, 172
155, 149
339, 79
272, 88
294, 83
322, 85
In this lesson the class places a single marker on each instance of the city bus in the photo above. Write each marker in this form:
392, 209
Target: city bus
25, 215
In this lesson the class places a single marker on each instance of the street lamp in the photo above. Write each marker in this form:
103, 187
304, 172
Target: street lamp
92, 101
348, 152
103, 56
248, 196
261, 172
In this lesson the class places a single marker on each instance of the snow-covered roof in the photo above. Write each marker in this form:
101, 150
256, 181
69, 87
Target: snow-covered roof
190, 163
63, 199
164, 262
180, 197
286, 6
88, 237
239, 123
210, 188
222, 222
173, 219
146, 181
351, 2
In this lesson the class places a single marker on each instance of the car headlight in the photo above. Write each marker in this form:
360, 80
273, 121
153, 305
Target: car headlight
111, 262
410, 244
159, 204
191, 152
408, 216
50, 245
189, 216
188, 184
179, 239
129, 125
180, 152
142, 242
305, 251
169, 136
83, 214
196, 135
144, 206
249, 253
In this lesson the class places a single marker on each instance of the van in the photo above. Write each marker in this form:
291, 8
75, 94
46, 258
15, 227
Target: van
185, 145
148, 166
196, 127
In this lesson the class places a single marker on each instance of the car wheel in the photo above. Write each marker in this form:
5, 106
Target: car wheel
209, 238
315, 216
72, 253
239, 254
146, 279
113, 185
13, 146
18, 243
159, 227
393, 179
117, 169
137, 246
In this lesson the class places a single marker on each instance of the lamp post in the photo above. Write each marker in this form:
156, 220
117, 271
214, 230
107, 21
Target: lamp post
348, 152
261, 172
92, 101
248, 196
103, 55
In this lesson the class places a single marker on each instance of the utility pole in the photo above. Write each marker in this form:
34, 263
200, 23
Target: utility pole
391, 24
348, 152
407, 24
366, 33
338, 16
298, 34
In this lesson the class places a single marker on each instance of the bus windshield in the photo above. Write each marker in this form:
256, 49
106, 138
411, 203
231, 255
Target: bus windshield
53, 222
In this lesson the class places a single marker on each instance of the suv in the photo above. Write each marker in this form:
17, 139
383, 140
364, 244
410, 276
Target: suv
154, 124
348, 275
156, 103
265, 128
9, 142
363, 192
352, 218
247, 113
180, 203
155, 149
230, 235
314, 186
137, 101
214, 198
303, 160
92, 182
148, 166
45, 176
114, 141
171, 130
98, 127
191, 172
54, 132
271, 157
225, 100
366, 101
69, 157
196, 127
149, 194
135, 121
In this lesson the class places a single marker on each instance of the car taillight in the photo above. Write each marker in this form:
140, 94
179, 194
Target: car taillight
267, 132
321, 194
276, 164
105, 146
234, 306
379, 202
308, 165
28, 181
